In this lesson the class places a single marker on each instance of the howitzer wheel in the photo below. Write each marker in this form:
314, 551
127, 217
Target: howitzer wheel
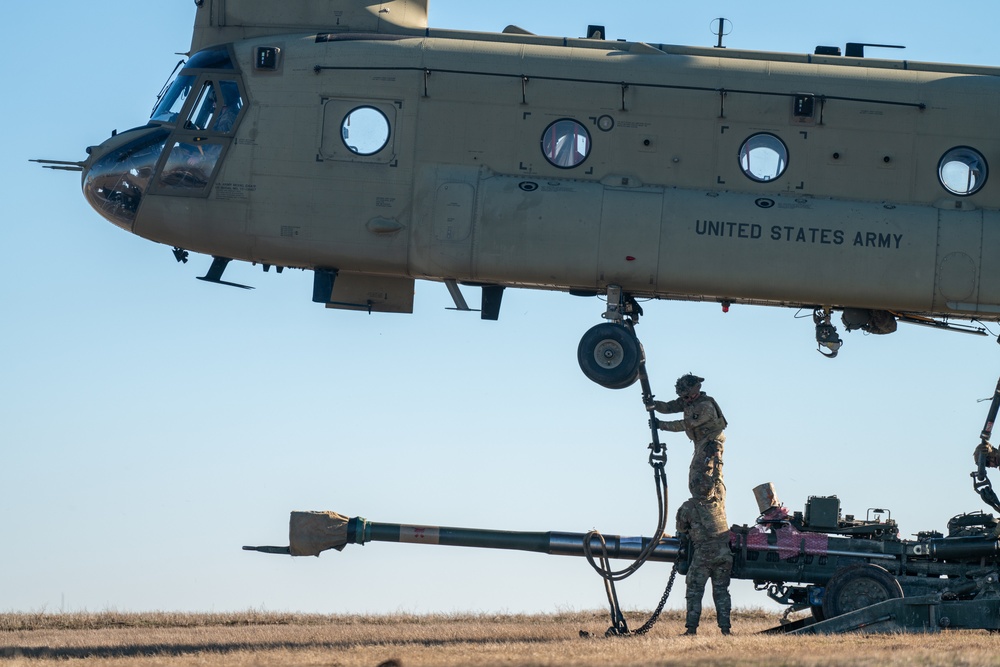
858, 586
609, 354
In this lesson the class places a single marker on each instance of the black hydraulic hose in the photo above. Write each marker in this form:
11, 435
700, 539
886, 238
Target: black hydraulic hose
647, 551
658, 461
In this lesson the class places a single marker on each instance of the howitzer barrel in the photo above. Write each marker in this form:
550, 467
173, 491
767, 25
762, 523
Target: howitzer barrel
550, 542
313, 532
958, 548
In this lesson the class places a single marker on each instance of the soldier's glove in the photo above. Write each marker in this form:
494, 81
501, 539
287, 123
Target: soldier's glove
986, 449
651, 406
655, 423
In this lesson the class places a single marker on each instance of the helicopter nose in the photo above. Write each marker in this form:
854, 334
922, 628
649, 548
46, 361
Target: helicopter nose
117, 173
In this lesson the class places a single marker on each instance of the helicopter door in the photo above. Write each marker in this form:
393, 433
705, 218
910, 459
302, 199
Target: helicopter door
956, 279
630, 239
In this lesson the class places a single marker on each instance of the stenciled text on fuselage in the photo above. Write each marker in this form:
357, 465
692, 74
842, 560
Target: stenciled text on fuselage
796, 234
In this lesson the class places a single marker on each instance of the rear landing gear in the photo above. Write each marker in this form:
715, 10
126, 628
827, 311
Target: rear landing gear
609, 353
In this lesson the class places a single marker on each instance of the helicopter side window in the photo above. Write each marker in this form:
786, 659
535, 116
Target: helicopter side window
962, 171
365, 130
763, 157
565, 143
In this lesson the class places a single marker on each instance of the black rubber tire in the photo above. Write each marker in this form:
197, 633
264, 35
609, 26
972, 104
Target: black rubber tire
858, 586
610, 355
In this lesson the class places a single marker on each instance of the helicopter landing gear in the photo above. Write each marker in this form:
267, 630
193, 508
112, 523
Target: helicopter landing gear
609, 353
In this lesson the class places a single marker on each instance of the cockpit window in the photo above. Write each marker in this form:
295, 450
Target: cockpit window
232, 102
169, 107
207, 113
190, 164
204, 109
116, 183
214, 58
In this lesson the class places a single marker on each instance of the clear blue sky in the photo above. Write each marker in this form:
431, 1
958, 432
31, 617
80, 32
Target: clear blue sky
151, 424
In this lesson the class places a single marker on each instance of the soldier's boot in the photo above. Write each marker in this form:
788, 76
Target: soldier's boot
690, 632
691, 622
723, 604
723, 618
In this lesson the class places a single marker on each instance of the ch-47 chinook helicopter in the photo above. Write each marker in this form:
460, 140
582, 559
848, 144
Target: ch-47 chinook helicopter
348, 138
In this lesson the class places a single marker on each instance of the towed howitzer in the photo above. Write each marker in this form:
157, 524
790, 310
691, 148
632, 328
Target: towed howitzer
851, 574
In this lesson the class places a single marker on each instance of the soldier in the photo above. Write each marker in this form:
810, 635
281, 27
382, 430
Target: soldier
702, 519
704, 424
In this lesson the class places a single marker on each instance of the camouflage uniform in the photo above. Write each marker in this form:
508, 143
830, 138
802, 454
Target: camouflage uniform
703, 422
703, 521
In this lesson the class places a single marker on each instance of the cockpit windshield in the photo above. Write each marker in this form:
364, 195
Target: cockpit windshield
170, 105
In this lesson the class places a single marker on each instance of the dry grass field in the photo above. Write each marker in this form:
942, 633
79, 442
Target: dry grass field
253, 638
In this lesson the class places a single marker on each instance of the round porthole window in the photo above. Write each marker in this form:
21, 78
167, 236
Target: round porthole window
962, 171
565, 143
365, 131
763, 157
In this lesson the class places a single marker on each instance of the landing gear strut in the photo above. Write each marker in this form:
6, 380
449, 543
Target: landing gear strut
609, 353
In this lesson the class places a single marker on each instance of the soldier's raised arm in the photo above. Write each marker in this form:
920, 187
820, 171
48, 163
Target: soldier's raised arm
675, 425
668, 407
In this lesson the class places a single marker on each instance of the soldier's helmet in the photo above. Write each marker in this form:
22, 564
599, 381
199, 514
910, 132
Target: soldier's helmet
686, 382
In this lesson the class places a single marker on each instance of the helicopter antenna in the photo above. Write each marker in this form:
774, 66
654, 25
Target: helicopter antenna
720, 28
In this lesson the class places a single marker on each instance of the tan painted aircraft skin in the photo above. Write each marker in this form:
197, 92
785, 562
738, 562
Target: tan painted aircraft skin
380, 151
